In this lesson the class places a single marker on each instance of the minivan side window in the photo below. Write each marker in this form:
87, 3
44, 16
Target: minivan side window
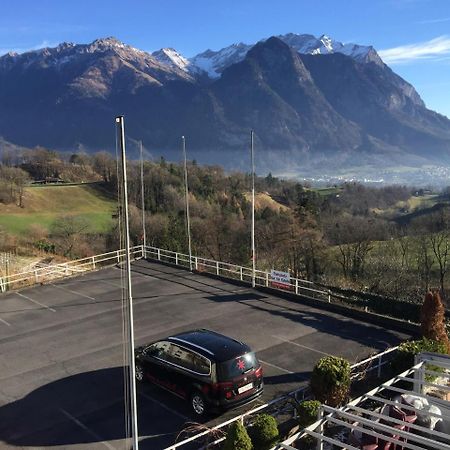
202, 365
189, 360
158, 350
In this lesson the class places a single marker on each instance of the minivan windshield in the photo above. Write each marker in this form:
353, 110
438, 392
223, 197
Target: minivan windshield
237, 366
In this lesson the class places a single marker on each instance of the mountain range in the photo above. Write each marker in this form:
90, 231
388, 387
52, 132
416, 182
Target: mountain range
314, 103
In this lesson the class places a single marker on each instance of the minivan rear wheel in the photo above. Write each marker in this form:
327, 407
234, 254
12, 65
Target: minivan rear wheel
198, 403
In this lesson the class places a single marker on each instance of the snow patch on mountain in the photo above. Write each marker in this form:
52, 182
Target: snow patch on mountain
171, 57
324, 45
209, 63
110, 48
213, 63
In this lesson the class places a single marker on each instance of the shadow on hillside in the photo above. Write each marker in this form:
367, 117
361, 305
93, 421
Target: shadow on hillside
104, 190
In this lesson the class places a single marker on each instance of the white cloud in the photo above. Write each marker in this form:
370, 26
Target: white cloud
43, 44
430, 21
430, 50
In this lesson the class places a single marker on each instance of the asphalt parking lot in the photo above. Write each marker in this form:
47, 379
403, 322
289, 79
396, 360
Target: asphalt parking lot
61, 357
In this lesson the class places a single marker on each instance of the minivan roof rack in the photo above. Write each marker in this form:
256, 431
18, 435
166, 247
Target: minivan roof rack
192, 344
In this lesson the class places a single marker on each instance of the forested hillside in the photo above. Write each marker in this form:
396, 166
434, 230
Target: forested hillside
391, 240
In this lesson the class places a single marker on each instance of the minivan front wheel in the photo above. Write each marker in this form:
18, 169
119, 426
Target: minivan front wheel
198, 403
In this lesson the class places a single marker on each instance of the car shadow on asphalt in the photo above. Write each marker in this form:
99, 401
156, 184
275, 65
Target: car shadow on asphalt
87, 408
294, 377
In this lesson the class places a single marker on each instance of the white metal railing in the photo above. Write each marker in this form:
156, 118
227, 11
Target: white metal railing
366, 365
297, 286
375, 362
234, 271
66, 269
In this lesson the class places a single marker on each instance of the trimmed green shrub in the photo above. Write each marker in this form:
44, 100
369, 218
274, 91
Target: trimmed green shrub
330, 380
237, 438
307, 412
404, 359
264, 432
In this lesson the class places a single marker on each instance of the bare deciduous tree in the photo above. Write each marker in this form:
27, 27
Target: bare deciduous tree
105, 165
354, 236
66, 230
440, 243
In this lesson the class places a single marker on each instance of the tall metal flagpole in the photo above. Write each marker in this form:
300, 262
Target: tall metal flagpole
144, 236
188, 223
253, 210
131, 372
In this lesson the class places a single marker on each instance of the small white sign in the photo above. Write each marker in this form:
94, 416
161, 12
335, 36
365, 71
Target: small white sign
280, 279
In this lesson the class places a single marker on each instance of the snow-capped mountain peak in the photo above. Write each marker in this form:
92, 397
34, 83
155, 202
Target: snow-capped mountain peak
213, 63
170, 56
308, 44
109, 49
328, 43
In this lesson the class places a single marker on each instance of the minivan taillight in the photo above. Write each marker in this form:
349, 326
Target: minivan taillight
259, 372
223, 386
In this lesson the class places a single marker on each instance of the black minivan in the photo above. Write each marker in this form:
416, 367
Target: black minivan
212, 371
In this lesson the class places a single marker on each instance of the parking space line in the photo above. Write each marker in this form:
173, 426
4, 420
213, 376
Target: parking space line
111, 283
302, 346
36, 302
275, 366
283, 370
153, 436
73, 292
162, 405
5, 322
85, 428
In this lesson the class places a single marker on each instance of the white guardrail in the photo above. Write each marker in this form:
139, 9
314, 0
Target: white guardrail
76, 267
236, 272
232, 271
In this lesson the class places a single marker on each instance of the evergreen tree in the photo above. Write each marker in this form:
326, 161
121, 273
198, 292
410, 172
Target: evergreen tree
433, 319
237, 438
330, 380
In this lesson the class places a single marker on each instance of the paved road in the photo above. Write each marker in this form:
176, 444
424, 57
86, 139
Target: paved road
61, 352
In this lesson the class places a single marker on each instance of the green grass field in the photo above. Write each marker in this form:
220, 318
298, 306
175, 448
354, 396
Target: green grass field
425, 201
408, 207
43, 205
324, 192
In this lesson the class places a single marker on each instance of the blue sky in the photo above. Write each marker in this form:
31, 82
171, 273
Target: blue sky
412, 35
